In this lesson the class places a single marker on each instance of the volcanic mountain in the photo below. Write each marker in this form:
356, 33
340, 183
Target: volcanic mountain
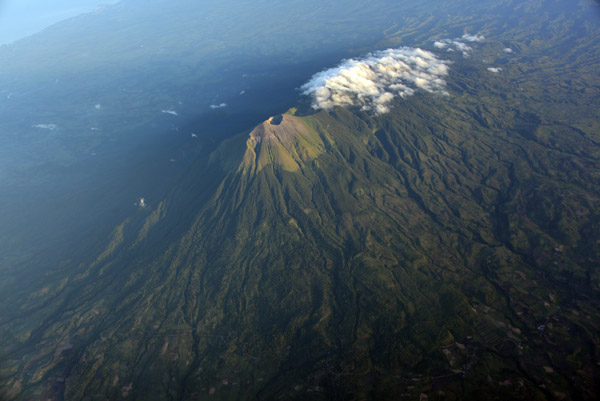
445, 249
339, 255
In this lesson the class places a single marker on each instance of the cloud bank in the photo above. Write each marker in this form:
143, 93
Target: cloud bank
374, 81
51, 127
495, 70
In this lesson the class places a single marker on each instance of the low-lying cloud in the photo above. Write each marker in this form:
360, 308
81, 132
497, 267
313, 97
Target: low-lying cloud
473, 38
51, 127
452, 45
375, 80
218, 106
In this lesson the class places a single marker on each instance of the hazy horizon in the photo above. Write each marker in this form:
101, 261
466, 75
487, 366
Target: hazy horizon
23, 18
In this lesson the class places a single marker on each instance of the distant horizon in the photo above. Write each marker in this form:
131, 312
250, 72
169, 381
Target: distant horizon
23, 18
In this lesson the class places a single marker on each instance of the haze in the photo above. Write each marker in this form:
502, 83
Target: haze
21, 18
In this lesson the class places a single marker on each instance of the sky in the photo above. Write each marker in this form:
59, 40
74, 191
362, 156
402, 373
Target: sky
21, 18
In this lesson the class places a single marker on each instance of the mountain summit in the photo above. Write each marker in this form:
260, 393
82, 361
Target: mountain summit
284, 141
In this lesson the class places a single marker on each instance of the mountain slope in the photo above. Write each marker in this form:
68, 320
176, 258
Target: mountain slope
448, 249
346, 256
381, 221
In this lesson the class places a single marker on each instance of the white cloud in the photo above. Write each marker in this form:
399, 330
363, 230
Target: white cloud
507, 50
375, 80
50, 127
218, 106
460, 46
473, 38
452, 45
98, 106
173, 112
495, 70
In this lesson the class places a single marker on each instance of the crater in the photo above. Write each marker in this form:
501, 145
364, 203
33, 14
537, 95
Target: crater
276, 120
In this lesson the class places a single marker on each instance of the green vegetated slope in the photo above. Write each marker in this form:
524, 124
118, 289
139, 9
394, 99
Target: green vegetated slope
448, 248
445, 250
404, 254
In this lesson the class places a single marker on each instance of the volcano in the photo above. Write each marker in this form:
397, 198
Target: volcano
340, 255
443, 246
